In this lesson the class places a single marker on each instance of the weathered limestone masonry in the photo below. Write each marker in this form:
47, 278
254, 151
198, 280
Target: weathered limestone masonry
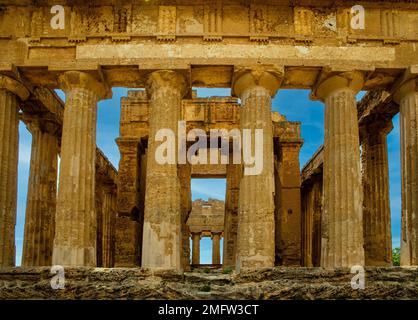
206, 220
11, 93
195, 248
342, 219
312, 206
255, 49
42, 112
162, 239
42, 190
105, 196
376, 207
375, 113
216, 248
76, 224
204, 114
287, 194
233, 178
256, 225
185, 172
407, 97
132, 144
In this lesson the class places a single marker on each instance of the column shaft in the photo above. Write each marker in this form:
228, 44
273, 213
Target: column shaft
376, 207
233, 177
409, 158
9, 148
342, 236
42, 194
195, 248
216, 248
186, 207
108, 228
162, 218
256, 242
76, 224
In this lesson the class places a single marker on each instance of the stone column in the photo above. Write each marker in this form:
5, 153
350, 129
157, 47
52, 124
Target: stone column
196, 248
42, 192
108, 223
162, 218
407, 97
75, 224
216, 248
376, 207
11, 92
342, 220
256, 227
288, 204
129, 220
233, 177
186, 207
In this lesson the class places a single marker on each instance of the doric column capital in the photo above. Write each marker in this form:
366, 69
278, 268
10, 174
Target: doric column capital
353, 80
71, 80
379, 127
196, 234
246, 78
128, 144
40, 122
216, 234
405, 89
14, 86
160, 79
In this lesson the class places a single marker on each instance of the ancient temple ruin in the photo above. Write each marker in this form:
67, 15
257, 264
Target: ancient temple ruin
332, 213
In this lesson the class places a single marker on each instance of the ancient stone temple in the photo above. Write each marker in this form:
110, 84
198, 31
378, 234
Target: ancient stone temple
333, 213
207, 220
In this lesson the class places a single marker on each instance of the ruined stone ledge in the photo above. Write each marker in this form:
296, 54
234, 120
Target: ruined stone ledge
276, 283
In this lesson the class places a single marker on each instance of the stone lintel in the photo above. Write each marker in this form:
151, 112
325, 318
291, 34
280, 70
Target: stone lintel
405, 88
14, 86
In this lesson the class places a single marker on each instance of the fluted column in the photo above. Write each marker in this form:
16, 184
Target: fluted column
233, 177
11, 92
407, 97
376, 207
195, 248
42, 192
216, 248
186, 207
256, 226
75, 224
108, 225
342, 220
162, 244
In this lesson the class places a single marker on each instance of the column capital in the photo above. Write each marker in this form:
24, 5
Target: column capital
40, 122
166, 78
213, 234
405, 89
128, 144
14, 86
353, 80
76, 79
376, 128
194, 234
267, 77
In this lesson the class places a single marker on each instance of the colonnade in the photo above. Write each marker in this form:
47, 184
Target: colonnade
74, 240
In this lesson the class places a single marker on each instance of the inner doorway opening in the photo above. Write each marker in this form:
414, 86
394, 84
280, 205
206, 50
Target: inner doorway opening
206, 222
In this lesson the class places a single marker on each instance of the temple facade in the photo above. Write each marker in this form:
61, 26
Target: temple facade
333, 213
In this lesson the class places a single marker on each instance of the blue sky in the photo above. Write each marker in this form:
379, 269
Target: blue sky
294, 104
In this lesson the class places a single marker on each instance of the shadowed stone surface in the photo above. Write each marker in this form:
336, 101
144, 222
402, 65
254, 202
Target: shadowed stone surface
275, 283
